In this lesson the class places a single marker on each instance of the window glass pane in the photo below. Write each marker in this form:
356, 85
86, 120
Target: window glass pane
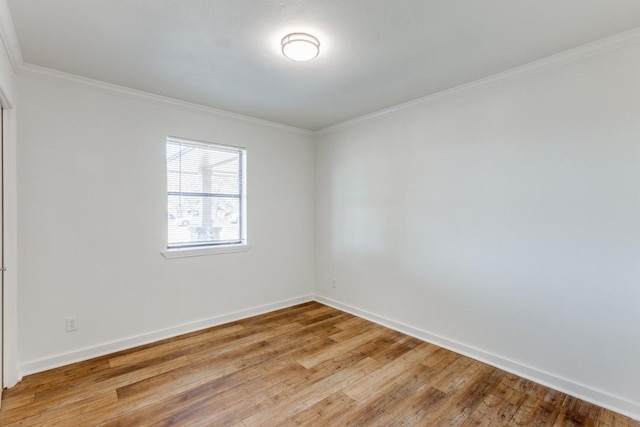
227, 217
205, 200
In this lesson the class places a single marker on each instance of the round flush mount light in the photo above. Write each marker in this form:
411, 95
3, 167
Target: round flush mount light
300, 46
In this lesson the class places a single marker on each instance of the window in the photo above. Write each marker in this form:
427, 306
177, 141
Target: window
205, 194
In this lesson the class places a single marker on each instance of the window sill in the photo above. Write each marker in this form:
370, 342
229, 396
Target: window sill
210, 250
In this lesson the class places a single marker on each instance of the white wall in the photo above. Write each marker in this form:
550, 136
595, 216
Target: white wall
503, 222
92, 204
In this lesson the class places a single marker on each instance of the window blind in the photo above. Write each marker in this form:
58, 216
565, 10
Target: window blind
206, 194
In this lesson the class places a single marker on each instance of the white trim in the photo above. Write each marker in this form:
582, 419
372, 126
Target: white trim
10, 218
586, 393
35, 71
10, 309
5, 102
63, 359
576, 54
180, 139
14, 52
9, 37
209, 250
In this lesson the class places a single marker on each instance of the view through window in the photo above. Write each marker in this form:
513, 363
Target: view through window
206, 203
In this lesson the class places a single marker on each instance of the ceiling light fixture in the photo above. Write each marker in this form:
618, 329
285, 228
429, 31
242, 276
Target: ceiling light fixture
300, 46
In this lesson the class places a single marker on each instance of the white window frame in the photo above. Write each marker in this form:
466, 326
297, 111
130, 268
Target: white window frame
212, 248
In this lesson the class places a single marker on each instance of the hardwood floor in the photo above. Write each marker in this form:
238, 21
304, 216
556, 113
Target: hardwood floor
309, 364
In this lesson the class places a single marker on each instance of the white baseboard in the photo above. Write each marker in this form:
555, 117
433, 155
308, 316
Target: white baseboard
597, 397
589, 394
58, 360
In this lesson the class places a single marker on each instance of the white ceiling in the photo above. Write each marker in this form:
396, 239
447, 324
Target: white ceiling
374, 53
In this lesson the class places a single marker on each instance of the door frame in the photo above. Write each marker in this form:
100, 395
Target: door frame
9, 368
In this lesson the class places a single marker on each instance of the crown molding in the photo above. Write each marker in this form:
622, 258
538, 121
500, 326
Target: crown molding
9, 37
599, 47
566, 57
10, 41
11, 46
30, 70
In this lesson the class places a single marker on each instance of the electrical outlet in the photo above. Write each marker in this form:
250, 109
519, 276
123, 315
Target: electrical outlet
335, 283
72, 323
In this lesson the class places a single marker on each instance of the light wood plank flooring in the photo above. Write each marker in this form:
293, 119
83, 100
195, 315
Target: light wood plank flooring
305, 365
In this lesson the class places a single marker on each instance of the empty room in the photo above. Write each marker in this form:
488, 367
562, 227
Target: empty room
326, 213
